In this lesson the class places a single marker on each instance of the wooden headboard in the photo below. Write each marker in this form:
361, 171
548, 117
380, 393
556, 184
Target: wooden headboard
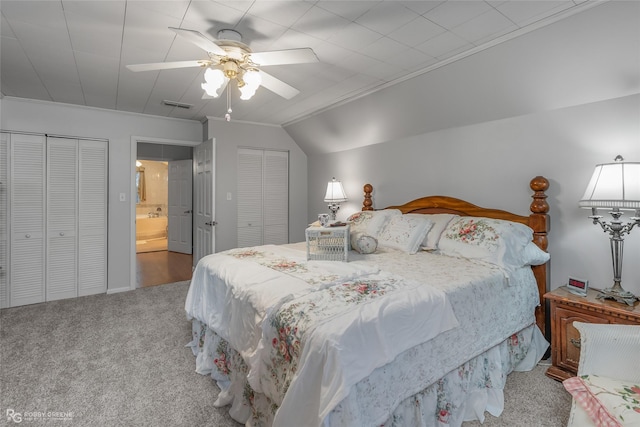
538, 220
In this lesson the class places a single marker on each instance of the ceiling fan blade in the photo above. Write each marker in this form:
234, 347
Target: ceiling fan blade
277, 86
168, 65
290, 56
199, 40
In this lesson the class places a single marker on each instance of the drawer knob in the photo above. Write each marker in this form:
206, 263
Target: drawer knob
575, 342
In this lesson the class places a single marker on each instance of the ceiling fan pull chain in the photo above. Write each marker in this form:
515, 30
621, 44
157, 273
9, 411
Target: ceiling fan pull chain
227, 116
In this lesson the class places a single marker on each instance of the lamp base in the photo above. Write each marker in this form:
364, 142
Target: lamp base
620, 295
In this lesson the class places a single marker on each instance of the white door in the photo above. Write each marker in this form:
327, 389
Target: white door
62, 218
28, 201
204, 200
180, 206
93, 178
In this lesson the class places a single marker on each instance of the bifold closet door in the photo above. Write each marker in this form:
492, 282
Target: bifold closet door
4, 215
263, 197
92, 217
27, 154
62, 218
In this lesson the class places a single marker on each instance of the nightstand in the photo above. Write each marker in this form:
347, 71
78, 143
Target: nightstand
328, 243
567, 308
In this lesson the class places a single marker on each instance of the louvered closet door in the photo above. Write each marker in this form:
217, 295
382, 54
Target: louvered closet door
92, 217
27, 207
249, 197
276, 197
62, 218
4, 212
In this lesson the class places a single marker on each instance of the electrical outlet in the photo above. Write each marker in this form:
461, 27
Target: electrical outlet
228, 196
123, 197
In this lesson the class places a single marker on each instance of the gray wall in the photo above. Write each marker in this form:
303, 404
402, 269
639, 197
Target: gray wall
491, 164
63, 119
231, 135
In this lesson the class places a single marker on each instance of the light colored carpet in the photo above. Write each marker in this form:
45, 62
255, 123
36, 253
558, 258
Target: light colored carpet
121, 360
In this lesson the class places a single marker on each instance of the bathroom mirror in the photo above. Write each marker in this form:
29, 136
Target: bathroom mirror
140, 185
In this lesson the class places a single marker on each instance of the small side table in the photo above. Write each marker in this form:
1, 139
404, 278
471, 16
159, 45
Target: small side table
328, 243
567, 308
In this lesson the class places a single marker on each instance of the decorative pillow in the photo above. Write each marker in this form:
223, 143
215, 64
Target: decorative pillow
370, 223
607, 401
440, 221
405, 232
533, 255
364, 243
496, 241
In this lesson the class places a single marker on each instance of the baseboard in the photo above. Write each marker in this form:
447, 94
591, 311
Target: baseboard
118, 290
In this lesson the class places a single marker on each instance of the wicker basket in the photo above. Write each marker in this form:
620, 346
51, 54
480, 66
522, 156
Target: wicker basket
328, 244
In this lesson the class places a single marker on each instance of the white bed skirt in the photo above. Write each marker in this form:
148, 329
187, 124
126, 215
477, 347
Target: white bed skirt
463, 394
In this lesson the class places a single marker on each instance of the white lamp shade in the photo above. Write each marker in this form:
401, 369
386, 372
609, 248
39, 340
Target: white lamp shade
335, 192
613, 185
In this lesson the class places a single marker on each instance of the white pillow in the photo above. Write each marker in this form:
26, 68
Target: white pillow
440, 221
364, 243
370, 223
496, 241
533, 255
405, 232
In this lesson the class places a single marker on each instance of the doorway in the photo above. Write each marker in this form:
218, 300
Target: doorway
163, 247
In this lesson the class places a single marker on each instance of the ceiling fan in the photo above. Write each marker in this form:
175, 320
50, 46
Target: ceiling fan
231, 59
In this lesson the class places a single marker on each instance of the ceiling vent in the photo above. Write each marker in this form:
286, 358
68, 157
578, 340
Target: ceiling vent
177, 104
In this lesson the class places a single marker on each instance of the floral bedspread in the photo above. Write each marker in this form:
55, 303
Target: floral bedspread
315, 347
488, 307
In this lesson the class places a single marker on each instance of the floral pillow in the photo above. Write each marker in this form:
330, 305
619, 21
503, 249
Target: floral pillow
607, 401
495, 241
370, 223
405, 232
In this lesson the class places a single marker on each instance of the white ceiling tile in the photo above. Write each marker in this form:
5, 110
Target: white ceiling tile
354, 36
101, 38
320, 23
349, 10
386, 17
19, 74
444, 45
528, 11
211, 17
491, 23
451, 14
259, 33
65, 91
38, 13
385, 48
421, 7
416, 32
284, 13
173, 8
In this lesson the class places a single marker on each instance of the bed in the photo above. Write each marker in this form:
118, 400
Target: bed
421, 331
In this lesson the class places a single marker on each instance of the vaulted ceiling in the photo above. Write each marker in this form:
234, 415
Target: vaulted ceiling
76, 52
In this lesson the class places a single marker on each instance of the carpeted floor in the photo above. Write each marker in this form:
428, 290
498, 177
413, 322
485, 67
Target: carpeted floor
121, 360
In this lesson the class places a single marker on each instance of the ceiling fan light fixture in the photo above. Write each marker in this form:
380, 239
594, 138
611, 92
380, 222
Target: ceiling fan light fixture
214, 80
250, 82
230, 69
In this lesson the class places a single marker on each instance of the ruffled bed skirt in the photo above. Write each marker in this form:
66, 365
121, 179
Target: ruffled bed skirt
463, 394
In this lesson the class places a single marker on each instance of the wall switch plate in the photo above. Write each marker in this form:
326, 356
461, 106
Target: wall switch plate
228, 196
123, 197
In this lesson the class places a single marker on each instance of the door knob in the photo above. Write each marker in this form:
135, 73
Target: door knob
188, 211
212, 223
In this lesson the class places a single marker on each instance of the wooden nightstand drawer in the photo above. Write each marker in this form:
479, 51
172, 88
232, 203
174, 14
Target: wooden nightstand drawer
567, 308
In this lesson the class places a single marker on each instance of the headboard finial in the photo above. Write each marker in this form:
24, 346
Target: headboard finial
539, 185
367, 203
